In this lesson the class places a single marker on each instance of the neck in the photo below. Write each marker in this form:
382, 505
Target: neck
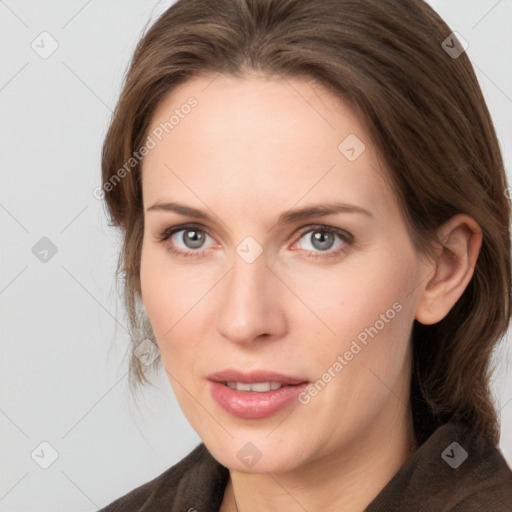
347, 480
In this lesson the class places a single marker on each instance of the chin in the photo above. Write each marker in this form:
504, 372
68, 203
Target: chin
254, 454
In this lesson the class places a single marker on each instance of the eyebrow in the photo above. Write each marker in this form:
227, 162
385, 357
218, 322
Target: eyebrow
286, 217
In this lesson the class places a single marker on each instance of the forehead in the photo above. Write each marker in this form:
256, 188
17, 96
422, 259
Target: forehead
274, 109
265, 137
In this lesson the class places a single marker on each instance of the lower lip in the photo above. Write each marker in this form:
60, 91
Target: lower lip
254, 405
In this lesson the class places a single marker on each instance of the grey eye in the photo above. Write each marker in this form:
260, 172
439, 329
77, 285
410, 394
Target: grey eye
190, 238
320, 240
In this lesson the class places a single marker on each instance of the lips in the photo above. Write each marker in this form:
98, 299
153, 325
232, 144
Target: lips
253, 405
232, 375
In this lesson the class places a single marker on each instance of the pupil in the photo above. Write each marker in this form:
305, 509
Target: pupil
322, 240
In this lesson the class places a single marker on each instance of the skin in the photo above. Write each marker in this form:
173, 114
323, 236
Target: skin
253, 148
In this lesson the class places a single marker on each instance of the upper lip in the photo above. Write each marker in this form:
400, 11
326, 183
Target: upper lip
232, 375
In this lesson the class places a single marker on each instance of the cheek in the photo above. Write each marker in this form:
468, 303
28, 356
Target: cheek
173, 296
349, 298
367, 310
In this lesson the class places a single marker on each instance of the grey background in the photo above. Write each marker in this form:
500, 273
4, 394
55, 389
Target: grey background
64, 346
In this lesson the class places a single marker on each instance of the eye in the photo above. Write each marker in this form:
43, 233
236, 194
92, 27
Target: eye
186, 240
322, 239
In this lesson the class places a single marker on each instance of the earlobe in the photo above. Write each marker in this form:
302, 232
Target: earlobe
460, 240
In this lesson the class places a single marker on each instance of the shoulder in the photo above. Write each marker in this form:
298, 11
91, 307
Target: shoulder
483, 480
197, 474
455, 470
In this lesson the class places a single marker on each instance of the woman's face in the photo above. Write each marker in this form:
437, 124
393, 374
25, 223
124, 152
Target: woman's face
263, 283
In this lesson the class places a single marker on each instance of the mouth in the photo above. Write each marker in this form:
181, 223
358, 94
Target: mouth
254, 395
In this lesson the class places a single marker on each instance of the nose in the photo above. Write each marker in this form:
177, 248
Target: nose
251, 306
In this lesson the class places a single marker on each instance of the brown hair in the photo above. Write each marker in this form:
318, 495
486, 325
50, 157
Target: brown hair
426, 115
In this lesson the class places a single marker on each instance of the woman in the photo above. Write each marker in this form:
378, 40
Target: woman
316, 237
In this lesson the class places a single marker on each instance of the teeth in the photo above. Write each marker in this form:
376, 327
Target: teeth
259, 387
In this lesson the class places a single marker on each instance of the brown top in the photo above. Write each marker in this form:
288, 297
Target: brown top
453, 471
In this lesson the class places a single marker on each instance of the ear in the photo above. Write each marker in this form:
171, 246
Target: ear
460, 240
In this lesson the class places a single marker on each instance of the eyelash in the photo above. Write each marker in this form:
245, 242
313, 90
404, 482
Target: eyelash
344, 235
